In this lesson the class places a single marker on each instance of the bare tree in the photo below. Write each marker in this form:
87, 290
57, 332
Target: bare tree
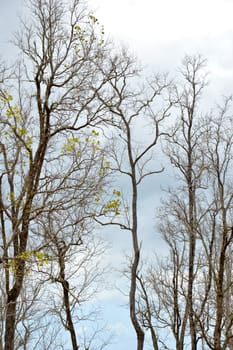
173, 283
185, 155
217, 242
132, 110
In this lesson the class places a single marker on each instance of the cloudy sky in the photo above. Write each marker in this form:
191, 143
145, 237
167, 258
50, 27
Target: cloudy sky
160, 33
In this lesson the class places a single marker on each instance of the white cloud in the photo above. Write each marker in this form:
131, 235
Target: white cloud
165, 19
161, 32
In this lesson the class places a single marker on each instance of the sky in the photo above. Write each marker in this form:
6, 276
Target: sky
159, 33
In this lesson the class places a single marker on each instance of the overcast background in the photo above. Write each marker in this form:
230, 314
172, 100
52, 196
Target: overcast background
160, 33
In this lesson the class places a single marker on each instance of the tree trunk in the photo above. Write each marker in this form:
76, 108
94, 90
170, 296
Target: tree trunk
133, 316
136, 258
65, 287
10, 323
220, 294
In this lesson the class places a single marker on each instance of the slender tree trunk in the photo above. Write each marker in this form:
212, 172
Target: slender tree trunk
192, 233
65, 287
221, 271
133, 316
134, 267
192, 249
220, 293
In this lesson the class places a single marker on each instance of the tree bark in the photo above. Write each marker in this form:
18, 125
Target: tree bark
65, 287
134, 267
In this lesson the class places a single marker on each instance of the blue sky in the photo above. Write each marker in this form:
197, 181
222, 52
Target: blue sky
160, 33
